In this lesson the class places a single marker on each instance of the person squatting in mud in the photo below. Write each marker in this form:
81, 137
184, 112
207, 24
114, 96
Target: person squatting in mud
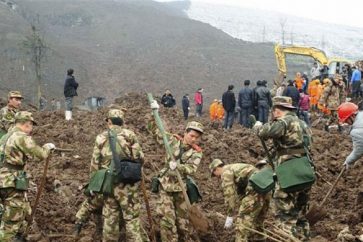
238, 192
171, 206
16, 148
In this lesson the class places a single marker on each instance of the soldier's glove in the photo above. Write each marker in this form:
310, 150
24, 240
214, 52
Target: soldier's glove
154, 105
172, 165
347, 165
257, 126
228, 223
49, 146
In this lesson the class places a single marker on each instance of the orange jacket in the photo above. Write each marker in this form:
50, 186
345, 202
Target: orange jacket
299, 82
313, 91
216, 111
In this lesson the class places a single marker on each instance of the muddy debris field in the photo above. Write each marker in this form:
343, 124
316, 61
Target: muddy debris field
69, 172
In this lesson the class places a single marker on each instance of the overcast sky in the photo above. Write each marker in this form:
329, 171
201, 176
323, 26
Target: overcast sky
349, 12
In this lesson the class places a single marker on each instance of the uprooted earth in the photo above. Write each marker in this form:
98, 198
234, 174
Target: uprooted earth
69, 172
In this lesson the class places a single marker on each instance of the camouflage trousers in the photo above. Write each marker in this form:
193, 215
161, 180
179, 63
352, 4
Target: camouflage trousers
125, 199
16, 209
251, 214
290, 210
89, 206
174, 222
333, 118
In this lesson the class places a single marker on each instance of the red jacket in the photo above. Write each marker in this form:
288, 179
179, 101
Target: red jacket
198, 98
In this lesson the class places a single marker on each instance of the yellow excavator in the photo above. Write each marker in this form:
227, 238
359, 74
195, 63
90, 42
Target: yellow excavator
334, 64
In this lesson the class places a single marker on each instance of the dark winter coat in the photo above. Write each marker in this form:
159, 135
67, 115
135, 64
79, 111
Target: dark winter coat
291, 91
185, 103
245, 97
168, 101
263, 95
229, 101
70, 87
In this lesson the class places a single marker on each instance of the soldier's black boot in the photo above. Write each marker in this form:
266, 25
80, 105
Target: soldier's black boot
77, 228
340, 128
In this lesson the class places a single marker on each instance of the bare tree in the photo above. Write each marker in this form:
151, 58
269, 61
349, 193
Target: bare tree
282, 22
292, 36
36, 48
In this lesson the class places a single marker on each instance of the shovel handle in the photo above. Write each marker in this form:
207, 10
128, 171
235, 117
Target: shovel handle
40, 190
332, 188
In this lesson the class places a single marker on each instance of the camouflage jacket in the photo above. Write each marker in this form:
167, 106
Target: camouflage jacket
231, 176
287, 134
331, 97
18, 148
7, 118
127, 141
342, 92
188, 159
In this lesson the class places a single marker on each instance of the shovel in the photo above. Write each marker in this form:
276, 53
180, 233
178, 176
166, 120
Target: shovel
317, 212
196, 216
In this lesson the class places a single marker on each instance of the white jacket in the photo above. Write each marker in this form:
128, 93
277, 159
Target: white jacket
357, 137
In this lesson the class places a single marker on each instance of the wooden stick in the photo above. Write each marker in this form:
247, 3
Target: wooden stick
260, 233
40, 190
148, 210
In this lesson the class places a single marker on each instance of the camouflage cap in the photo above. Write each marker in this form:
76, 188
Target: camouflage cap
17, 94
115, 113
195, 126
283, 101
215, 163
24, 116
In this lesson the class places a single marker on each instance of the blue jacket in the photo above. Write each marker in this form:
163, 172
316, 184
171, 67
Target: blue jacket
356, 76
245, 97
291, 91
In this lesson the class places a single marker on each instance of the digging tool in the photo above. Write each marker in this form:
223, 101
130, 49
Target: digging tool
196, 217
40, 190
316, 213
146, 199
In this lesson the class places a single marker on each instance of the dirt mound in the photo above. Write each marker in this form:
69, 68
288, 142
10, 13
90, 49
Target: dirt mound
70, 171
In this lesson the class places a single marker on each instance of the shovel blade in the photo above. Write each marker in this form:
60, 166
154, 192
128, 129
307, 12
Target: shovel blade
198, 219
315, 214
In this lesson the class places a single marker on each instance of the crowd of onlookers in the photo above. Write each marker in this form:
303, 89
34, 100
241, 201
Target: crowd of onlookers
321, 94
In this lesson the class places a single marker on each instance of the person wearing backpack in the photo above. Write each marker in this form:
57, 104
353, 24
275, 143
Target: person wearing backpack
292, 166
238, 194
118, 196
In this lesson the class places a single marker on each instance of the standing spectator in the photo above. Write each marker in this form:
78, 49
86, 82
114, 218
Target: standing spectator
42, 103
293, 92
53, 104
306, 81
315, 71
303, 107
355, 81
264, 102
280, 90
70, 91
245, 103
299, 81
168, 100
186, 106
255, 101
229, 105
198, 100
324, 72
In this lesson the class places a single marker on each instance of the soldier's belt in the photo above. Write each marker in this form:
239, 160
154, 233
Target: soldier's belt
12, 167
300, 151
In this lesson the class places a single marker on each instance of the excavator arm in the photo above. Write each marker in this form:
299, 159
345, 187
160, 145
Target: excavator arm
281, 51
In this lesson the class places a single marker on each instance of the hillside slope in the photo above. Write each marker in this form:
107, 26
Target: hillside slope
123, 46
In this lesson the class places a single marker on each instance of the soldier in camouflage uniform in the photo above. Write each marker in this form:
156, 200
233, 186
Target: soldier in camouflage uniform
16, 148
125, 197
287, 133
171, 206
8, 112
253, 206
331, 99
